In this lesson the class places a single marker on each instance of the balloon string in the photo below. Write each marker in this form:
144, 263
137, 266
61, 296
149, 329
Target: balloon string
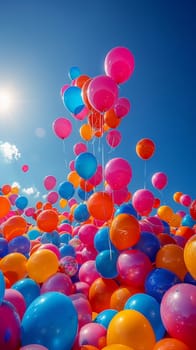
103, 165
145, 172
66, 165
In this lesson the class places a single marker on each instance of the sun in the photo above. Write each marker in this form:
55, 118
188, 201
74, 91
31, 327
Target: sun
6, 101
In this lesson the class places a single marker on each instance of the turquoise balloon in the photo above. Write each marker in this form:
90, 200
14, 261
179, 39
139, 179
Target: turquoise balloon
21, 202
81, 213
28, 288
2, 286
51, 320
74, 72
86, 165
72, 99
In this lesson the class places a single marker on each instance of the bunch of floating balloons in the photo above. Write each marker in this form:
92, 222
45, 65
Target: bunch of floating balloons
91, 268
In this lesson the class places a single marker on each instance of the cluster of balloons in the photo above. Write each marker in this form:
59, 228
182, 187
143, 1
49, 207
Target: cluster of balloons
116, 271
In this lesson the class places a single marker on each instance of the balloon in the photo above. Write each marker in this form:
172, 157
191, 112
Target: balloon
2, 286
86, 132
111, 119
91, 334
68, 265
83, 309
95, 119
66, 190
86, 165
20, 244
74, 73
159, 180
118, 196
33, 347
149, 244
13, 266
59, 282
185, 200
88, 272
171, 257
49, 182
100, 293
133, 267
97, 178
100, 206
178, 313
40, 324
105, 317
142, 201
131, 328
29, 289
124, 231
6, 189
119, 64
192, 209
118, 173
145, 148
41, 265
106, 263
102, 93
21, 202
9, 327
5, 206
170, 343
52, 197
102, 240
126, 208
72, 99
164, 212
47, 220
3, 247
25, 168
122, 107
190, 255
79, 148
86, 233
158, 281
62, 127
150, 308
117, 347
113, 138
17, 300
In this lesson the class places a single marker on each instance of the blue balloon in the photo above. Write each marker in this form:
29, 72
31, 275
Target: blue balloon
52, 237
74, 73
81, 213
3, 247
126, 208
2, 286
65, 237
102, 240
67, 250
187, 220
21, 202
189, 279
166, 227
66, 190
28, 288
150, 308
148, 244
20, 244
84, 195
51, 320
86, 165
33, 234
105, 317
159, 281
106, 263
72, 99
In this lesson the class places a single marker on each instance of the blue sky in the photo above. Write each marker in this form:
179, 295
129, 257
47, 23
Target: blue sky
41, 40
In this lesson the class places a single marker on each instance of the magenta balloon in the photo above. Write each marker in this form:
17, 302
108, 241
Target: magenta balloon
79, 148
10, 331
178, 313
113, 138
52, 197
29, 211
97, 178
156, 224
82, 114
91, 333
102, 93
88, 272
49, 182
143, 201
122, 107
16, 299
62, 127
72, 165
63, 89
83, 308
59, 282
87, 233
119, 64
185, 200
159, 180
118, 173
118, 196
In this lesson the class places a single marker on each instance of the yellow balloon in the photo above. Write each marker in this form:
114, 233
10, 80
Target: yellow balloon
165, 213
63, 203
190, 255
117, 347
131, 328
42, 264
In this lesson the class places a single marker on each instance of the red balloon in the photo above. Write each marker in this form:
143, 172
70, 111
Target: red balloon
192, 209
145, 148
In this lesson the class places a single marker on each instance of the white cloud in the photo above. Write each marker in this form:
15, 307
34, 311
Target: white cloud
15, 184
31, 191
9, 151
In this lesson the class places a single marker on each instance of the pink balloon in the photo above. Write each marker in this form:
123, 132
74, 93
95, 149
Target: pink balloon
156, 224
142, 201
25, 168
65, 227
118, 173
63, 89
52, 197
119, 64
185, 200
113, 138
79, 148
62, 127
16, 299
97, 178
72, 165
118, 196
49, 182
29, 211
159, 180
122, 107
59, 282
102, 93
83, 308
91, 333
87, 233
82, 114
88, 272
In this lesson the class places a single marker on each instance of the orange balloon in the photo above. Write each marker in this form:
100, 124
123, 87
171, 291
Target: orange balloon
14, 226
5, 206
171, 257
74, 178
145, 148
185, 231
86, 185
117, 347
176, 196
63, 202
165, 213
95, 120
120, 296
131, 328
170, 344
98, 133
47, 220
81, 80
124, 231
84, 94
39, 205
111, 119
47, 205
42, 264
88, 347
13, 266
100, 206
190, 255
6, 189
86, 132
100, 293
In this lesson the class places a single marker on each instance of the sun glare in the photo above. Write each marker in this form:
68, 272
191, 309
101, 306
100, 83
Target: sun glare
6, 101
